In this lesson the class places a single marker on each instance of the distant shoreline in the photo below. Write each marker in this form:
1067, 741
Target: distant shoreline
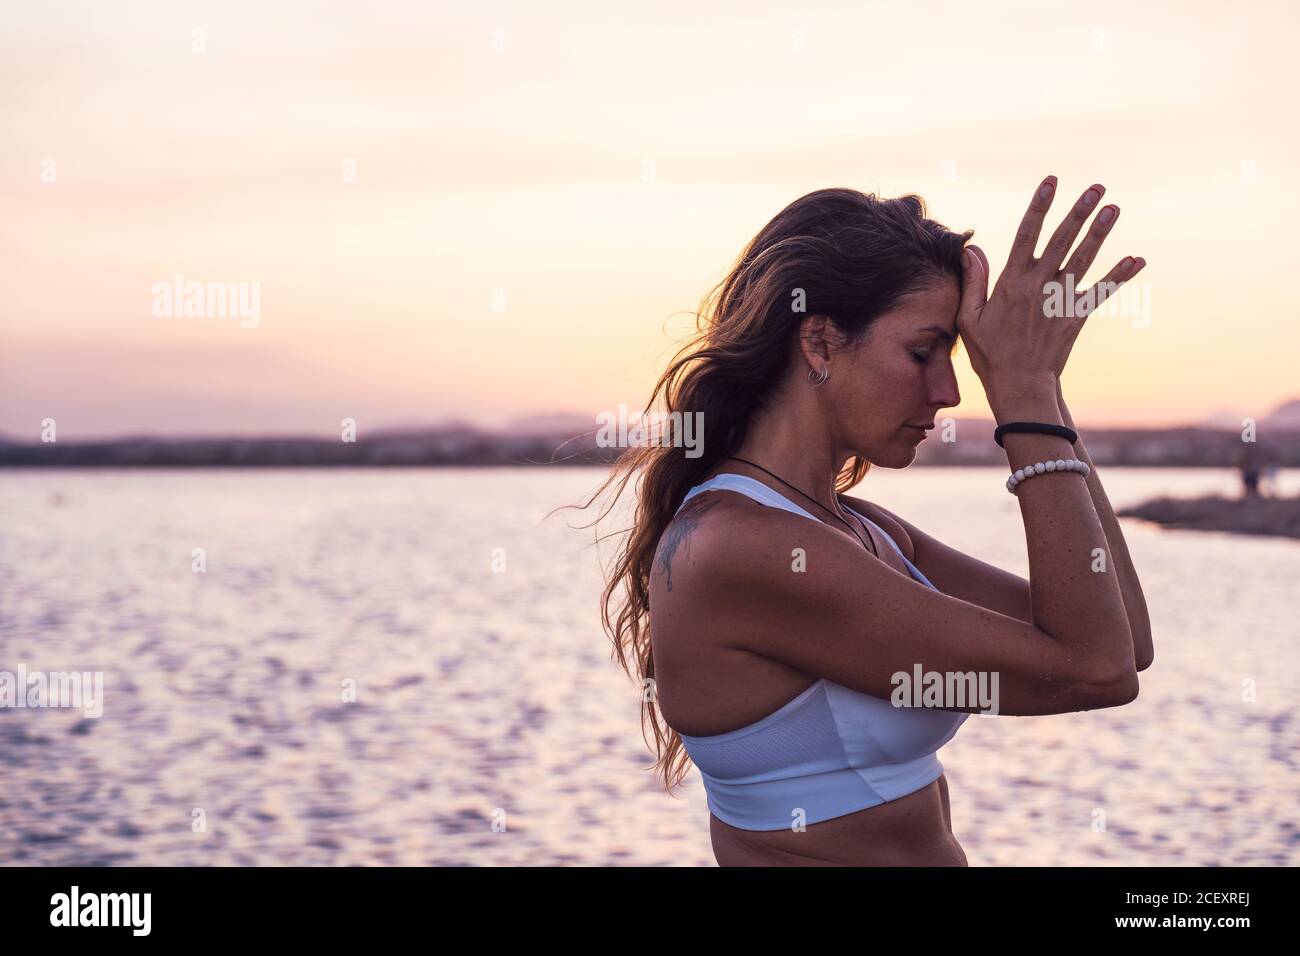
1274, 517
467, 446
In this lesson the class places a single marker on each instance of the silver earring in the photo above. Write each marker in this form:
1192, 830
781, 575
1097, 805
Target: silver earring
819, 380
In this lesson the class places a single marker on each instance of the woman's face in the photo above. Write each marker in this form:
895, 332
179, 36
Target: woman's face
900, 376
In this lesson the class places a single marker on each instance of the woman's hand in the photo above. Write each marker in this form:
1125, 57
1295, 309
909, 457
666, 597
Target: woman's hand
1021, 336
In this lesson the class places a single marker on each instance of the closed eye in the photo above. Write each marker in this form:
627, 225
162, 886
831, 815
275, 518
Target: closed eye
922, 359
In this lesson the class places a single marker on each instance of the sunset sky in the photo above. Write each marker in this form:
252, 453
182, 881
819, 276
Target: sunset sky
503, 146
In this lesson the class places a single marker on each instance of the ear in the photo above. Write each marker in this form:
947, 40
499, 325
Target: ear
818, 337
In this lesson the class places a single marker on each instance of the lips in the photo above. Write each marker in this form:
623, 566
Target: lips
924, 428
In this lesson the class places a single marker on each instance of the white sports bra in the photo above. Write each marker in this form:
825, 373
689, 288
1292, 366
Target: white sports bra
828, 752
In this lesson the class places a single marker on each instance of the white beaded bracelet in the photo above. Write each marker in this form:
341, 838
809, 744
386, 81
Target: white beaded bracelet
1042, 467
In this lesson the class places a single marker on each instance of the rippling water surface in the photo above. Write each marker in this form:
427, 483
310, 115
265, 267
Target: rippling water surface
485, 694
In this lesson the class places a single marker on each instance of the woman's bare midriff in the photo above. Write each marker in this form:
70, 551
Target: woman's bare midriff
915, 830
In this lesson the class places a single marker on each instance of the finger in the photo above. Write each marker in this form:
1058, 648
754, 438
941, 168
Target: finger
1109, 284
1061, 241
1022, 249
975, 285
1091, 245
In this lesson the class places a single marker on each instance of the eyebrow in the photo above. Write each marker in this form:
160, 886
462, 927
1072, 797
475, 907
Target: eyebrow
943, 334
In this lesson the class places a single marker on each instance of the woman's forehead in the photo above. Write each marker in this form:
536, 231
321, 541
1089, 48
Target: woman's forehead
933, 307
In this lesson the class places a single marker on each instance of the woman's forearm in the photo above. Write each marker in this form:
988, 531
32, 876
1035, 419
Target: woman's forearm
1134, 601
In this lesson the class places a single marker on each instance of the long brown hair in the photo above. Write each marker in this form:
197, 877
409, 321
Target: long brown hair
835, 252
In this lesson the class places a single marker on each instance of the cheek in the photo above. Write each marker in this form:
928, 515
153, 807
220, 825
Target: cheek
898, 382
883, 385
887, 392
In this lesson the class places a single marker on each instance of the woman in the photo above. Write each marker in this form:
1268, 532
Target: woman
772, 646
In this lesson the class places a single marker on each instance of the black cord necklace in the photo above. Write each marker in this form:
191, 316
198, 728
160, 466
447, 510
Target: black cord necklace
813, 500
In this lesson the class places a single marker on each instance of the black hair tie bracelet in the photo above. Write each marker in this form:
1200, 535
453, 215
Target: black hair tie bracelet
1042, 428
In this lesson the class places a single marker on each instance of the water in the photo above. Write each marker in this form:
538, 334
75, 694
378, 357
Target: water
485, 696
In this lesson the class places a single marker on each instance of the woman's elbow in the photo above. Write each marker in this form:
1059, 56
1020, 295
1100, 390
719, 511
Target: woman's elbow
1114, 692
1143, 658
1127, 690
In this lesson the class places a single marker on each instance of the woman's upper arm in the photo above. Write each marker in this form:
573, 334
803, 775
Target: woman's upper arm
778, 586
962, 575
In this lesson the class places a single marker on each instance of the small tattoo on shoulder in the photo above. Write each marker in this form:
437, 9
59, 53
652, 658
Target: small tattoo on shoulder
678, 533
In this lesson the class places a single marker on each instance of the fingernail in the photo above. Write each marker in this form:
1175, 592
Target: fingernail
1091, 196
1108, 214
1045, 190
1127, 263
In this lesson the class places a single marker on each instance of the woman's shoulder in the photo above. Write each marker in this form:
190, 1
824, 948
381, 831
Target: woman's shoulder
719, 534
717, 516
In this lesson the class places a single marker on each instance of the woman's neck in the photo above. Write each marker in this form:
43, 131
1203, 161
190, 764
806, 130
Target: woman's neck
797, 454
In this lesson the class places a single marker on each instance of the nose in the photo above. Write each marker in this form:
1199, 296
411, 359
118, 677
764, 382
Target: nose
944, 392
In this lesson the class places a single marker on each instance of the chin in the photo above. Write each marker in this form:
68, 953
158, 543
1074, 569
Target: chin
901, 460
897, 456
902, 455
